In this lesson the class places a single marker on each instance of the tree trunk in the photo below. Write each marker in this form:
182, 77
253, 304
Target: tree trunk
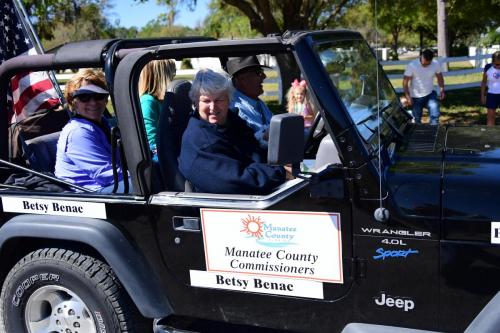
442, 25
421, 39
395, 42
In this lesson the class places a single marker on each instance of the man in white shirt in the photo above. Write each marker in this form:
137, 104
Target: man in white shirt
419, 88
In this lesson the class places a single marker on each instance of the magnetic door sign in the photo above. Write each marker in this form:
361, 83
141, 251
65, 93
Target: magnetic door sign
298, 245
53, 207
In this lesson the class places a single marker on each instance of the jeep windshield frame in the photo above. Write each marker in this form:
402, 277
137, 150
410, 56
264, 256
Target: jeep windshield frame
352, 68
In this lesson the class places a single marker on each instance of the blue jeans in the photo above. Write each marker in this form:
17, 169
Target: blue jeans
431, 103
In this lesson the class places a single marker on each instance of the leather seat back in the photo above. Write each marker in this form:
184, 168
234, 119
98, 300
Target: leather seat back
174, 118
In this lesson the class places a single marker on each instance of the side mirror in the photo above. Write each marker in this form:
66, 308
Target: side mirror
286, 141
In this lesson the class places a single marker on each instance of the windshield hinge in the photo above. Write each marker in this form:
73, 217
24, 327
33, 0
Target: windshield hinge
358, 268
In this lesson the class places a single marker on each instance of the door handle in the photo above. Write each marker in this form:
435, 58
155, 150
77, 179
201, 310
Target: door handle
186, 223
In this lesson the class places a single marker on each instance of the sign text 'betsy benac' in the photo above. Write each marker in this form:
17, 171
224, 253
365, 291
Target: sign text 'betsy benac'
53, 207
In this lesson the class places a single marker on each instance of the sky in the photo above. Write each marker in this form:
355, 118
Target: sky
131, 13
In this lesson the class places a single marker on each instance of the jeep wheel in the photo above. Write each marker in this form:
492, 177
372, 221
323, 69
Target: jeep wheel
56, 290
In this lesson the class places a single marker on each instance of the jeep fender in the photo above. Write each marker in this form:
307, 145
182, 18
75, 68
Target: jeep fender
127, 262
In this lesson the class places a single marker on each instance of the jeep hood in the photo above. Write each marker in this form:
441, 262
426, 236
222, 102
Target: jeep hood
456, 168
472, 173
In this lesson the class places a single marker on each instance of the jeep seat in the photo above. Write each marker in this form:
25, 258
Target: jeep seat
174, 117
40, 152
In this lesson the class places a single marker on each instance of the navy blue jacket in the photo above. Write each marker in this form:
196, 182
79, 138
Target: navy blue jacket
226, 159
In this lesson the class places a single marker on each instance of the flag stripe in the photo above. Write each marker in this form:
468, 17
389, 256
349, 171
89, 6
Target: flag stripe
22, 82
31, 91
35, 94
16, 79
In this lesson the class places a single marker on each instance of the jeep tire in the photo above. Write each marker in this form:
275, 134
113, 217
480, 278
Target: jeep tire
64, 291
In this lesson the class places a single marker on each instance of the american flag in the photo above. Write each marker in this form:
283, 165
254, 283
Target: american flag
31, 91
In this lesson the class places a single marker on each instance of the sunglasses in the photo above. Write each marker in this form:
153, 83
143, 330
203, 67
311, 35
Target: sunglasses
256, 71
96, 97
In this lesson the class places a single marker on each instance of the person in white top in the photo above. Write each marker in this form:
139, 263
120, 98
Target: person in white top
491, 80
418, 86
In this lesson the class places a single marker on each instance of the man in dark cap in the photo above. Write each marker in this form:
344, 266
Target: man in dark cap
247, 75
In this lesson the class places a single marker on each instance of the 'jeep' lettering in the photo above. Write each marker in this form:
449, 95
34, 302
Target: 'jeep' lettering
66, 208
402, 303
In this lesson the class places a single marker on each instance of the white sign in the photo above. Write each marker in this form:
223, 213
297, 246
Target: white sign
54, 207
495, 232
257, 284
298, 245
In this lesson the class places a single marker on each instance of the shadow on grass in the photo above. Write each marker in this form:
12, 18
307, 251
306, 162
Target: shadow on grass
462, 107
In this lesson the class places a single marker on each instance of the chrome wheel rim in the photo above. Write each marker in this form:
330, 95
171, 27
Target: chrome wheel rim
55, 309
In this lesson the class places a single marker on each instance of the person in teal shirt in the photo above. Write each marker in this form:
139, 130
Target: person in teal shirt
153, 82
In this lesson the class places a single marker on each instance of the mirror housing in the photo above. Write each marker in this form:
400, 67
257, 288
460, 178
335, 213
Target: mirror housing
286, 140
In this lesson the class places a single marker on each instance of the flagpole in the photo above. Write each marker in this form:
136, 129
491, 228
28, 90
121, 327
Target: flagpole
37, 44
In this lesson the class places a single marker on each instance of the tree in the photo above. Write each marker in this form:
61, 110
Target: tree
442, 26
159, 28
394, 16
277, 16
46, 15
361, 18
425, 22
226, 23
467, 20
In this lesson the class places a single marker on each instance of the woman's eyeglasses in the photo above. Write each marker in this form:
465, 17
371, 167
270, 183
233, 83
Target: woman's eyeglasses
96, 97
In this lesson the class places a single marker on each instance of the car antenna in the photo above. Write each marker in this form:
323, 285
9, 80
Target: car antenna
381, 214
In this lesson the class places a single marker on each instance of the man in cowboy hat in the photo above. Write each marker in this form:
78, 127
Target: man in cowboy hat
247, 75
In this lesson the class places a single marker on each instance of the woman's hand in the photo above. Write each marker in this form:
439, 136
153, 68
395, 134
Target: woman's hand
288, 169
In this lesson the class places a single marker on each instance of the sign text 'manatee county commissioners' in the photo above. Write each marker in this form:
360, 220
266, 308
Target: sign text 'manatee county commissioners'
298, 245
53, 207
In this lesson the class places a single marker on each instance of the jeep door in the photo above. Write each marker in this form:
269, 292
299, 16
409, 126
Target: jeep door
277, 260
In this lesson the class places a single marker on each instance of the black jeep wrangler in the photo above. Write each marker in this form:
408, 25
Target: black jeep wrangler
388, 226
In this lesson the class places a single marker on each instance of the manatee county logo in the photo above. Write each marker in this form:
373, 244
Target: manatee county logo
252, 226
267, 234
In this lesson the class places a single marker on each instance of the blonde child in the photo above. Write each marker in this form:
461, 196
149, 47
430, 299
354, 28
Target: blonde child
298, 102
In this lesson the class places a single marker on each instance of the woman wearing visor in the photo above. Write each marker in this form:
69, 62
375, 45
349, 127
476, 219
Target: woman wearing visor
84, 146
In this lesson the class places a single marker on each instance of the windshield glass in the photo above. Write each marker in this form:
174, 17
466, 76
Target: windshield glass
352, 68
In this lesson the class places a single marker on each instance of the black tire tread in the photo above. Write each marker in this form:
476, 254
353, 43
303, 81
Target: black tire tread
101, 275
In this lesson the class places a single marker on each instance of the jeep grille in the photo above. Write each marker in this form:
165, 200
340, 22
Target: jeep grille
423, 138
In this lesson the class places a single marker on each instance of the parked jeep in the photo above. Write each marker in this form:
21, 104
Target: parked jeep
388, 226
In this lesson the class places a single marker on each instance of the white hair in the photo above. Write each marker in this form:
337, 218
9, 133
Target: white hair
208, 82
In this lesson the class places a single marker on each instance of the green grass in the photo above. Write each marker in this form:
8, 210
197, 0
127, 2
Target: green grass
463, 107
